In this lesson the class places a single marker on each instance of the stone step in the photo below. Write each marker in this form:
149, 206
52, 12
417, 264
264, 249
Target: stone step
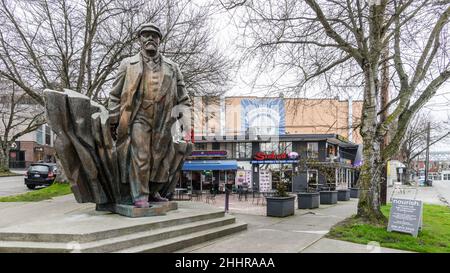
121, 242
147, 237
84, 237
180, 242
34, 247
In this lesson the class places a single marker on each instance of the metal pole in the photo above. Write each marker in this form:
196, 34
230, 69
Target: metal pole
227, 199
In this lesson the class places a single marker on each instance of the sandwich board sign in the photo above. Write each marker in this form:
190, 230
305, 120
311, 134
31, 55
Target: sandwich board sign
406, 216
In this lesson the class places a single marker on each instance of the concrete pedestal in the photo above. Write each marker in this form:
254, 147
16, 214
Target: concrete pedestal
156, 208
103, 232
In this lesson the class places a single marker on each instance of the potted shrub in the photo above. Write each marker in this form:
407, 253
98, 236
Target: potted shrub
354, 192
309, 199
281, 204
328, 196
343, 194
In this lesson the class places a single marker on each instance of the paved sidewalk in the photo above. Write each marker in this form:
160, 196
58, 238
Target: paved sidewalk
302, 233
429, 195
326, 245
16, 213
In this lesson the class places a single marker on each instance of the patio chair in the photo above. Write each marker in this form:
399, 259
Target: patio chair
211, 198
257, 197
196, 195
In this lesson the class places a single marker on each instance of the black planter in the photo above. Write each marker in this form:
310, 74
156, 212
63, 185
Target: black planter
280, 206
354, 192
308, 200
328, 197
344, 195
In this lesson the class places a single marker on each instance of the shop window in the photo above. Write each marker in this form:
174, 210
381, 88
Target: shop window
313, 179
313, 150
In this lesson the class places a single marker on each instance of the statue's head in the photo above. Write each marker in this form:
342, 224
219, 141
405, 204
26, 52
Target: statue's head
149, 38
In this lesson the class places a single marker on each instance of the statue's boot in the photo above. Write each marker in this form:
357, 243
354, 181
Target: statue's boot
156, 197
142, 203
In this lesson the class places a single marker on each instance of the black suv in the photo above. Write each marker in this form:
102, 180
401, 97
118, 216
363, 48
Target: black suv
40, 174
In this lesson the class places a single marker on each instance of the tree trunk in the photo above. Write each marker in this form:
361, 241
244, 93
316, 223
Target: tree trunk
4, 160
408, 173
371, 170
369, 182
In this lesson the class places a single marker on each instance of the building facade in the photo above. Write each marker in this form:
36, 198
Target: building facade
298, 160
239, 116
33, 147
256, 143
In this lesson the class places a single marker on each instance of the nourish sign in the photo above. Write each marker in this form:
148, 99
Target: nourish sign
406, 216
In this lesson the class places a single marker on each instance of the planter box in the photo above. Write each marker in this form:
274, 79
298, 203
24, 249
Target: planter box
308, 200
354, 192
328, 197
344, 195
280, 206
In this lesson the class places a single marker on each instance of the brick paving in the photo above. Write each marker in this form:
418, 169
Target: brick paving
251, 205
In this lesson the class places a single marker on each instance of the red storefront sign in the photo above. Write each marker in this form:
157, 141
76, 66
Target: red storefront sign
272, 156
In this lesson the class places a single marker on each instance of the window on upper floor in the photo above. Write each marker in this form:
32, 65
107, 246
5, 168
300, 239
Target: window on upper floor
285, 147
244, 150
200, 146
40, 135
276, 147
313, 150
48, 135
230, 148
216, 146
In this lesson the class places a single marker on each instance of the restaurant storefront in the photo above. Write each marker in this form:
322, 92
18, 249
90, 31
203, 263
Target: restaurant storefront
260, 165
208, 175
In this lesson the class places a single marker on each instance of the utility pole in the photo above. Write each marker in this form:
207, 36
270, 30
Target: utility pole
427, 155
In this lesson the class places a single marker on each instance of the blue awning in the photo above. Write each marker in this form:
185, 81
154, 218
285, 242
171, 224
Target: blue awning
209, 165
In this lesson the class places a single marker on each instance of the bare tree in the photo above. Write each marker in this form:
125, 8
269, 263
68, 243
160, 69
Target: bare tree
78, 44
415, 141
339, 45
19, 115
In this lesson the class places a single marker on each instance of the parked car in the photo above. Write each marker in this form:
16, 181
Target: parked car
422, 181
40, 174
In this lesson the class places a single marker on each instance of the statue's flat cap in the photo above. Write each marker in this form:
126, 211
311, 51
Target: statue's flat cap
149, 27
